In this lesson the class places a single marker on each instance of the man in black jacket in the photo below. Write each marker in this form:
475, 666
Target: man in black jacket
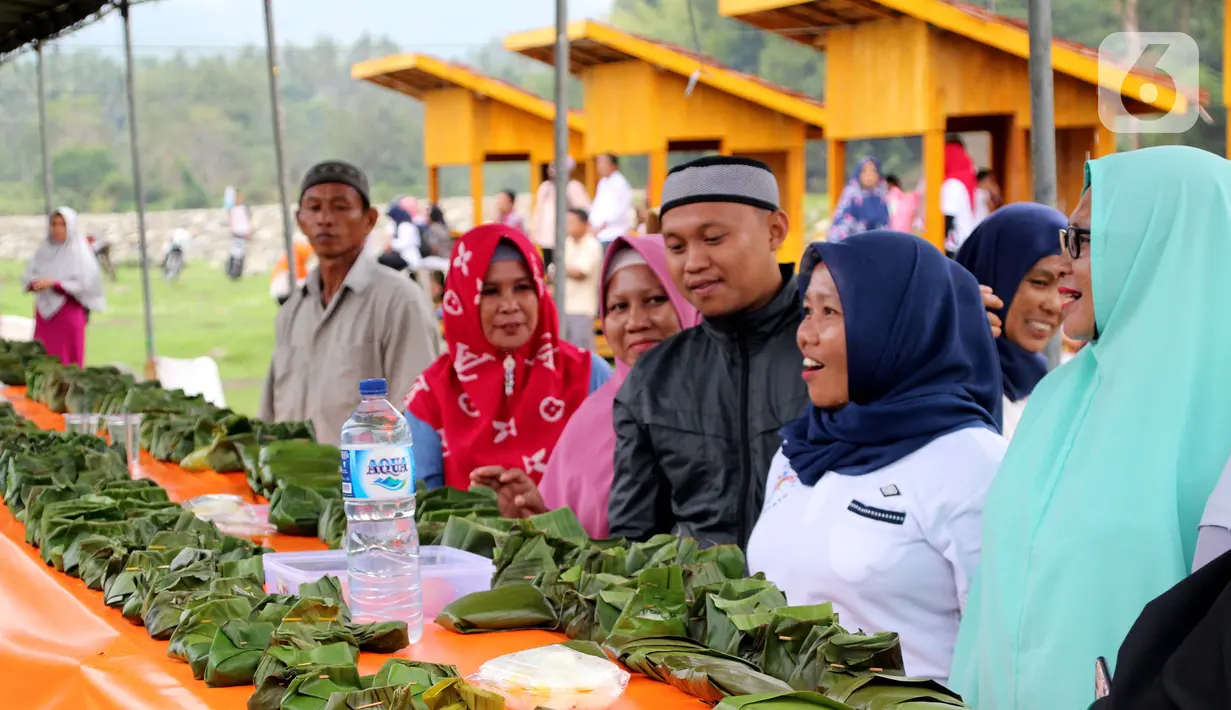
697, 419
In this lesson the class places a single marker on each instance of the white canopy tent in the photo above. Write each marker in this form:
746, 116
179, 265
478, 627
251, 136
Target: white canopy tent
28, 24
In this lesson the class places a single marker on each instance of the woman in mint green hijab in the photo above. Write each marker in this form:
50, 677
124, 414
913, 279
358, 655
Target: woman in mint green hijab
1095, 508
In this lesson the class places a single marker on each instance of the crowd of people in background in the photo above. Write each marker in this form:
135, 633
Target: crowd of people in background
848, 424
872, 200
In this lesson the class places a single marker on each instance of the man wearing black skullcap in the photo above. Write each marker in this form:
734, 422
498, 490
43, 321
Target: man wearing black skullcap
353, 319
697, 419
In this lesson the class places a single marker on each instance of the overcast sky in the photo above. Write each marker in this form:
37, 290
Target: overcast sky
444, 27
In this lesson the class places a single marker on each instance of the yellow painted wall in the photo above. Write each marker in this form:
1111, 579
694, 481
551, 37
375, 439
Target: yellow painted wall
787, 166
618, 118
449, 127
1072, 144
632, 108
977, 80
460, 128
709, 113
882, 78
875, 80
502, 129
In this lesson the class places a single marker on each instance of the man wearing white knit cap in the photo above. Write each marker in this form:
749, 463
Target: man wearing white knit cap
697, 419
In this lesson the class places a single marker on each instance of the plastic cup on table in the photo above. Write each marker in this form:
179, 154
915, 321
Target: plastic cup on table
79, 424
72, 423
126, 429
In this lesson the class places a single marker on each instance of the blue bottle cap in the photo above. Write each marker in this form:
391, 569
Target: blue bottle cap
371, 388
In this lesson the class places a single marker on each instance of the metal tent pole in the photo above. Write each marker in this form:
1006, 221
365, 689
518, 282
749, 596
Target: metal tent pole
275, 103
1043, 124
139, 193
42, 130
561, 126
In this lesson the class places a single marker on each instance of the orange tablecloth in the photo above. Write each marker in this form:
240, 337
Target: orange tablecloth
61, 648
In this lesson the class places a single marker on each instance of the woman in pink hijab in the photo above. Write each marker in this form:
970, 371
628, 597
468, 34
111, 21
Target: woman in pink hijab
640, 307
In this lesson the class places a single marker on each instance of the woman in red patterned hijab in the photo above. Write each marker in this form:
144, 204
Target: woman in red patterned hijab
503, 392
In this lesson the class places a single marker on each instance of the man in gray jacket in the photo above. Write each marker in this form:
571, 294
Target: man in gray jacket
697, 419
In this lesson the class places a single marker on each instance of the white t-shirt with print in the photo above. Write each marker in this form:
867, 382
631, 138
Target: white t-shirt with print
894, 549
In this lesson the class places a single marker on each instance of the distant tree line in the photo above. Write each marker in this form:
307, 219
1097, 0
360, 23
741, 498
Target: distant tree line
205, 119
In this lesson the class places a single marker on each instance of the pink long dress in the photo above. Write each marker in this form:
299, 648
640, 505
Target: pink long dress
63, 335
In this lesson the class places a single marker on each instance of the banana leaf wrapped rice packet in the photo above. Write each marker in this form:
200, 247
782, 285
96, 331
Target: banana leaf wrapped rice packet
734, 618
199, 624
574, 593
656, 608
300, 478
398, 685
390, 697
517, 606
527, 553
15, 359
313, 631
331, 526
482, 536
867, 673
234, 440
304, 463
457, 694
311, 691
695, 669
441, 504
296, 510
236, 651
793, 700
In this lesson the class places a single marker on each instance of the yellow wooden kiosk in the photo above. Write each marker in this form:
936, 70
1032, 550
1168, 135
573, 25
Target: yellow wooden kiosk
472, 119
930, 67
637, 102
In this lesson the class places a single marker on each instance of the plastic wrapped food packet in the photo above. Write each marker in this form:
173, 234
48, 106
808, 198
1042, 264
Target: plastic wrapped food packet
555, 677
231, 514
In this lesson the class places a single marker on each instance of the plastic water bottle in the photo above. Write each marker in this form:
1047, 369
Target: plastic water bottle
378, 485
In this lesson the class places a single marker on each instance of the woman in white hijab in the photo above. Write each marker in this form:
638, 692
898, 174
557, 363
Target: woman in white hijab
64, 277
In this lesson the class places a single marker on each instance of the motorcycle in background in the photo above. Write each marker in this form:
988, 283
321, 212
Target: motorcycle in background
102, 252
235, 257
173, 254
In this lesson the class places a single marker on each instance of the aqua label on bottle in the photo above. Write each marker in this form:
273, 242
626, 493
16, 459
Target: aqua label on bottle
382, 473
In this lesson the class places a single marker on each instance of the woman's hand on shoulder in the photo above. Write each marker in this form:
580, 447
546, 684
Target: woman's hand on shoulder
992, 303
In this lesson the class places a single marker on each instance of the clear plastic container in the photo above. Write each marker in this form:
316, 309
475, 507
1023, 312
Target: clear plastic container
446, 573
378, 492
555, 677
232, 514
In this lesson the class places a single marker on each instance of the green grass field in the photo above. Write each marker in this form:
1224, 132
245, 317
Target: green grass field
202, 314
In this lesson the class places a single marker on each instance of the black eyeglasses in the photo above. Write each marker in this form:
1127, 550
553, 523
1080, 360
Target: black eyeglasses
1072, 240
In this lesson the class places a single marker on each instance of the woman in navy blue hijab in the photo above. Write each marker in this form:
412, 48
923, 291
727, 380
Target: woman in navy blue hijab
1016, 252
886, 473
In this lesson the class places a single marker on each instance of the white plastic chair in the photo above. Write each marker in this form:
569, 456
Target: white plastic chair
16, 328
197, 376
